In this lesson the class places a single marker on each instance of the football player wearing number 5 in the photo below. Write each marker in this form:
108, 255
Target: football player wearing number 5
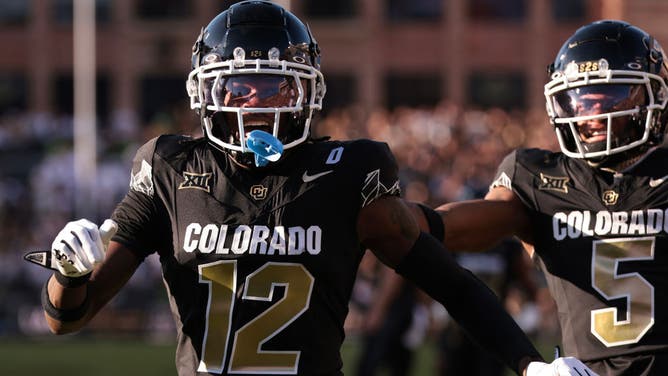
260, 228
596, 213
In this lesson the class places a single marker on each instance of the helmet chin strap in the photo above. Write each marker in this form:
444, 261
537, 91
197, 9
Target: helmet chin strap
265, 146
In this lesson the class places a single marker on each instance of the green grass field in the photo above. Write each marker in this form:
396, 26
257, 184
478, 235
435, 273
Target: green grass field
76, 356
85, 356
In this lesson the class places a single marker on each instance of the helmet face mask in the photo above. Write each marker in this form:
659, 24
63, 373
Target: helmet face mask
255, 67
608, 92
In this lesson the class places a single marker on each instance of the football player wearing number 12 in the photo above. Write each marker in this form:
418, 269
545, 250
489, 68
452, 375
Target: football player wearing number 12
596, 213
260, 228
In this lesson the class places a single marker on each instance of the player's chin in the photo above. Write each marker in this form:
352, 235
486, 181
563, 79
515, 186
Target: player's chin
600, 145
595, 138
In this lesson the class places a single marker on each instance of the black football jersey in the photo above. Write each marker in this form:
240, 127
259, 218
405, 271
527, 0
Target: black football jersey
259, 266
602, 239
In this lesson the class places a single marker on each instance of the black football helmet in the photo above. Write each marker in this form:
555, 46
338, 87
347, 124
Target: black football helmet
607, 92
255, 66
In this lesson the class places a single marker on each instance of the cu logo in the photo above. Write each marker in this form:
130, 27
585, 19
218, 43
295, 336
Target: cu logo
258, 192
610, 197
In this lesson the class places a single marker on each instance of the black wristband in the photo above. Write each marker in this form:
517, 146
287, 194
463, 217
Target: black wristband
468, 300
436, 226
64, 315
70, 282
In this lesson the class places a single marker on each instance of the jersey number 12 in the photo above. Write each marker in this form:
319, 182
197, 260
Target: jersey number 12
247, 355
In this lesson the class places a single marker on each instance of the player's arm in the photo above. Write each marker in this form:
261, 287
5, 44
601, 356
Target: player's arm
106, 280
387, 227
86, 278
90, 270
478, 225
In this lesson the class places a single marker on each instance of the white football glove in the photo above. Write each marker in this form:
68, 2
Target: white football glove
565, 366
80, 246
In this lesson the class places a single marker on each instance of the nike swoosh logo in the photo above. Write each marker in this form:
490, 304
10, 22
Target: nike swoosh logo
653, 183
307, 178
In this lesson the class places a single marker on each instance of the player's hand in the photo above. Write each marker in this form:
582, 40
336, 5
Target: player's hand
77, 249
566, 366
80, 246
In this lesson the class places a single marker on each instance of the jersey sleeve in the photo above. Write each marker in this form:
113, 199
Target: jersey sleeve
138, 215
505, 172
380, 172
525, 171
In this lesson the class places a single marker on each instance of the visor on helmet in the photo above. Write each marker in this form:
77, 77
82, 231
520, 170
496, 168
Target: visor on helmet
624, 105
598, 99
251, 91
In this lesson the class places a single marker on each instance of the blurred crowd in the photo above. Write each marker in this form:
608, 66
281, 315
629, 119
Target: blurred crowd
445, 153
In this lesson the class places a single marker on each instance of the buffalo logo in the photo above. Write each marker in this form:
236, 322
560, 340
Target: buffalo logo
610, 197
196, 181
552, 183
258, 192
142, 181
502, 181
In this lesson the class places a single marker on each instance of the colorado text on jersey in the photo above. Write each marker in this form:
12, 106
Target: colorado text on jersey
256, 239
578, 223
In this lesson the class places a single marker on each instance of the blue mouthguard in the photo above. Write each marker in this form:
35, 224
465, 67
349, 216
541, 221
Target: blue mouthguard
265, 146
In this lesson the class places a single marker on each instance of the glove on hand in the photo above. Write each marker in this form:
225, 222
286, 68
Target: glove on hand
77, 249
80, 246
566, 366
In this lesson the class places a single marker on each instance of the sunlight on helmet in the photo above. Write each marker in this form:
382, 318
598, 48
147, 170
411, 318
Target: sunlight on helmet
248, 75
605, 94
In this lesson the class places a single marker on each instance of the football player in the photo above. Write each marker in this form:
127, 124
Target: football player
595, 213
258, 227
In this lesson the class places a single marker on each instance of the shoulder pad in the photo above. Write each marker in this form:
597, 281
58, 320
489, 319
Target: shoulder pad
537, 157
169, 145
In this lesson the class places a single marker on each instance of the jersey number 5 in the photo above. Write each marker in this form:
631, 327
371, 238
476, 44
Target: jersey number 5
638, 293
247, 355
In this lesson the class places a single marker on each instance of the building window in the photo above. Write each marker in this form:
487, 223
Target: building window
63, 11
497, 10
414, 10
328, 9
13, 94
504, 90
341, 91
63, 96
569, 10
413, 90
150, 10
161, 98
14, 12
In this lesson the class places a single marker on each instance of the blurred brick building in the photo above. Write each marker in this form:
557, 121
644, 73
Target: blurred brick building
377, 53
